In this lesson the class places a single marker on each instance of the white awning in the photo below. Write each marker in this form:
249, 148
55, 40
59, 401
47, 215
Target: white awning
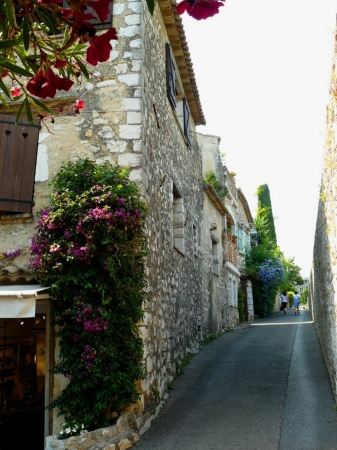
20, 301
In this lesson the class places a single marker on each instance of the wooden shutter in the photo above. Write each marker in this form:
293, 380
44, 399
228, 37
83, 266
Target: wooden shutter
187, 128
170, 77
97, 22
18, 152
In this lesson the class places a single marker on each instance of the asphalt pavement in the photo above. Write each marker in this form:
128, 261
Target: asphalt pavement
263, 386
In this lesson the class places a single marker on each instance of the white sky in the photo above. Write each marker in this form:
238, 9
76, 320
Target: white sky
262, 69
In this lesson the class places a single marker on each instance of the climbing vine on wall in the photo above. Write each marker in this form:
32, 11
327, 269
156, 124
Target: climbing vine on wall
89, 246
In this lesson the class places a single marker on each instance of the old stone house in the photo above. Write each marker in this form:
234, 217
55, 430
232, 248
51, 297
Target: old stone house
141, 113
226, 225
323, 280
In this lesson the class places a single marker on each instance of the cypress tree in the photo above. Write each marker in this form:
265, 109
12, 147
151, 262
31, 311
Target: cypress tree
265, 212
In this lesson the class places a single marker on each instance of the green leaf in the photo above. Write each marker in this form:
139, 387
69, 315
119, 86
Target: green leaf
151, 4
9, 12
47, 20
14, 68
29, 112
83, 68
25, 32
7, 43
5, 89
41, 105
20, 112
2, 99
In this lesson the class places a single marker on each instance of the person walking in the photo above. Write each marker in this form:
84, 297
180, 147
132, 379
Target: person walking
284, 302
297, 303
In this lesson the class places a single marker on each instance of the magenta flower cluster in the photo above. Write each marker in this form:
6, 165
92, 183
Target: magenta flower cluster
91, 323
99, 212
90, 355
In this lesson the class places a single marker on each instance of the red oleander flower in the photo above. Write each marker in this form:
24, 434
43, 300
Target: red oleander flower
101, 8
199, 9
100, 47
15, 91
4, 73
45, 83
66, 13
81, 23
60, 63
49, 2
79, 104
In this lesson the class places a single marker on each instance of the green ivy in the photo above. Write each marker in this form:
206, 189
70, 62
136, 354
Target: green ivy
90, 247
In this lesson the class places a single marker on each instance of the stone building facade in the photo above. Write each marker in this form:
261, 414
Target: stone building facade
226, 225
323, 280
141, 112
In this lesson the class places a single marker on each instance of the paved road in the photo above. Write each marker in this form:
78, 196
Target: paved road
261, 387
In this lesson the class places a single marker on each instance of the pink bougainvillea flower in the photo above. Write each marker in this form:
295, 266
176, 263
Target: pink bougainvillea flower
101, 7
15, 91
60, 63
199, 9
100, 47
45, 83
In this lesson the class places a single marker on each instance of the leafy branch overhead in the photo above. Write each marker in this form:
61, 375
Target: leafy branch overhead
35, 63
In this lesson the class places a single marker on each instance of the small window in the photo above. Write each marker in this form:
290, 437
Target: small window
215, 256
178, 221
187, 127
240, 240
170, 77
18, 153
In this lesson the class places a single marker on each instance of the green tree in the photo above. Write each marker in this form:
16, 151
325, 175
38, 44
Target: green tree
265, 213
304, 296
292, 275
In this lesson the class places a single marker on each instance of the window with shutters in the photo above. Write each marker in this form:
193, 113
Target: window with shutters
175, 94
178, 222
215, 254
18, 153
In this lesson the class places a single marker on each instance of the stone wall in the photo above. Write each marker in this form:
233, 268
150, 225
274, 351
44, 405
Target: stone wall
323, 281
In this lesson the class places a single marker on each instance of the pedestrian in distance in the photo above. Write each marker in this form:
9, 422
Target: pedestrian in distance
297, 303
284, 302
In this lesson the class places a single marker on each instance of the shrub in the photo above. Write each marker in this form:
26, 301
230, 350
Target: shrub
89, 246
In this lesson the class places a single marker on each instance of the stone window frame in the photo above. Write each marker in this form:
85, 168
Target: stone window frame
178, 220
176, 96
215, 254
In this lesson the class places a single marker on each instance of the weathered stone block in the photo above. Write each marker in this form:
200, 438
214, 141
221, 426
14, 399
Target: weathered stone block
130, 31
130, 131
131, 104
133, 19
131, 79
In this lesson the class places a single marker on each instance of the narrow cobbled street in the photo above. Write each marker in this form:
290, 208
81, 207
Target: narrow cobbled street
262, 386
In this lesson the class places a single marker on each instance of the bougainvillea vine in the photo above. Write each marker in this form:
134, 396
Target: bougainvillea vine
89, 246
